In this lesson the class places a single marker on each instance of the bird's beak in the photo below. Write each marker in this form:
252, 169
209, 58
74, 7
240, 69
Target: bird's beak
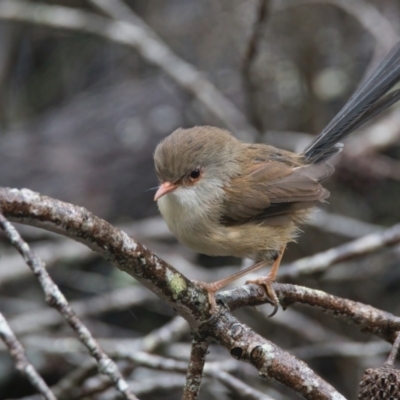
165, 188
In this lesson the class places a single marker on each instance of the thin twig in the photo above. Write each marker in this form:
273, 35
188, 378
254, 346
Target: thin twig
236, 385
170, 332
393, 353
67, 387
356, 248
370, 319
341, 349
17, 352
195, 369
56, 299
119, 299
122, 349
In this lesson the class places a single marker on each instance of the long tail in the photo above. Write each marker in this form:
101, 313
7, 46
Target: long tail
369, 100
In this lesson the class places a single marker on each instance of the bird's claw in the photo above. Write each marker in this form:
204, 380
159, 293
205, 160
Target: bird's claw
266, 282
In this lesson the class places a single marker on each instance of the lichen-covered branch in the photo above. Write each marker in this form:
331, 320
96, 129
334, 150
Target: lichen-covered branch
190, 301
195, 369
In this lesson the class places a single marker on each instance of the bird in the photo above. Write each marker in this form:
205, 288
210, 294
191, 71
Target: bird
223, 197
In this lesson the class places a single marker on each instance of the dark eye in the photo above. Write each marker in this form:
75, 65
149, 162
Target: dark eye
195, 174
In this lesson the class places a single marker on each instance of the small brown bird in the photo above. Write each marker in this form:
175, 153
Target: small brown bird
222, 197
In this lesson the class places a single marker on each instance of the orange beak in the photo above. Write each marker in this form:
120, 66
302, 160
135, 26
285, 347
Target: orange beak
165, 188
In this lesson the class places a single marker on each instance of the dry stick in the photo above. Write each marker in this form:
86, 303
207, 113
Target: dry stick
170, 332
123, 350
341, 349
17, 352
356, 248
119, 299
56, 299
195, 369
190, 301
368, 318
236, 385
393, 354
142, 39
66, 388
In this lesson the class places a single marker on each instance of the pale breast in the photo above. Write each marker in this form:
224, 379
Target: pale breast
191, 220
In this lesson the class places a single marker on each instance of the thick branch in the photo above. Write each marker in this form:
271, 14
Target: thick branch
191, 302
114, 245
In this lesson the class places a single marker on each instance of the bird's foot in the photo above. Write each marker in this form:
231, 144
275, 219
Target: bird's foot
211, 289
266, 282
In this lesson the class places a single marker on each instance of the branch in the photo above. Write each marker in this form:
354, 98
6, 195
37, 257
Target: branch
393, 354
119, 299
167, 283
56, 299
195, 369
368, 318
143, 39
17, 352
356, 248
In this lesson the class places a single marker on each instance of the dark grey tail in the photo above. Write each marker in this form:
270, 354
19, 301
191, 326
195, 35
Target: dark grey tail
369, 100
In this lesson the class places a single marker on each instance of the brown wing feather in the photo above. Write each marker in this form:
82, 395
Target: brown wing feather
273, 191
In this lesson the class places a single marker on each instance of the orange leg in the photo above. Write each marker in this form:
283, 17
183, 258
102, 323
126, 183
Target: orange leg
213, 287
267, 281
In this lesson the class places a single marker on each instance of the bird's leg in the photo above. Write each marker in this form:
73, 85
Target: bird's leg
266, 281
213, 287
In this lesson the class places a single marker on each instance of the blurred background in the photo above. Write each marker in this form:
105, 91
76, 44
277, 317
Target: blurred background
80, 116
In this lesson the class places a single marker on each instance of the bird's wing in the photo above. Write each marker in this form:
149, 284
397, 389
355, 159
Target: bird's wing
271, 192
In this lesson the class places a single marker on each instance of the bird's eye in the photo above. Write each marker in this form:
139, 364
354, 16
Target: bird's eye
195, 174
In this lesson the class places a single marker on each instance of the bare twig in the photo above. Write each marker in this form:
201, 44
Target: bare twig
368, 318
119, 299
195, 369
140, 37
236, 385
168, 333
393, 353
359, 247
342, 225
341, 349
122, 349
66, 388
56, 299
17, 352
